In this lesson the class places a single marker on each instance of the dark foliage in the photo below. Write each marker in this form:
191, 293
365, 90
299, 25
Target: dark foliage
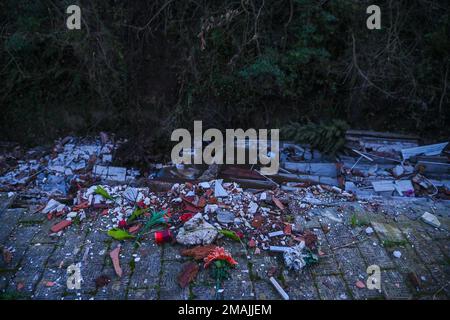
142, 68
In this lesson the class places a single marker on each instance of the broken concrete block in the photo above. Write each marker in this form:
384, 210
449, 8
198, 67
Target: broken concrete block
276, 233
197, 231
404, 187
431, 219
225, 217
252, 207
384, 185
110, 173
219, 191
429, 150
279, 249
398, 171
53, 206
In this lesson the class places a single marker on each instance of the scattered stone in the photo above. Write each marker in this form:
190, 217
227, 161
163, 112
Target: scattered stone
398, 171
252, 207
204, 185
53, 206
225, 217
431, 219
397, 254
197, 231
359, 284
276, 233
279, 249
219, 191
369, 231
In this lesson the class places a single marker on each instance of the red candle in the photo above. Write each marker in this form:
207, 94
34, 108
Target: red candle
163, 236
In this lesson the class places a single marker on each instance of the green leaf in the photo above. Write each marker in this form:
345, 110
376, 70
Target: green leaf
101, 191
136, 214
119, 234
230, 234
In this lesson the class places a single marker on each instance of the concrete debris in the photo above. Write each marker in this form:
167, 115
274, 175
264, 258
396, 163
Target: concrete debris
369, 231
297, 257
429, 150
71, 162
197, 231
219, 191
225, 217
431, 219
279, 288
287, 213
54, 206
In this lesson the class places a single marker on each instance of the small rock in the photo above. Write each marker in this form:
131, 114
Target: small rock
359, 284
398, 171
197, 231
225, 217
252, 207
369, 230
431, 219
397, 254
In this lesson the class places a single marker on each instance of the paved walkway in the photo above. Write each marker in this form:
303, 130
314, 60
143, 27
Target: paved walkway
37, 267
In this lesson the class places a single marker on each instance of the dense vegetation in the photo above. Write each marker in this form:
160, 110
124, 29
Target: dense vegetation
141, 68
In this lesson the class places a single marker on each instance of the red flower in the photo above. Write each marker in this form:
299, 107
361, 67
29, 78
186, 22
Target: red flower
122, 224
219, 253
141, 204
185, 217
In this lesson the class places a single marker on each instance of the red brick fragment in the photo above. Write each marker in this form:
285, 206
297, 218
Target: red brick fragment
60, 226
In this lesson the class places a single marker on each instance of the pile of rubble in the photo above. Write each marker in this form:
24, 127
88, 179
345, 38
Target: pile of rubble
393, 164
75, 181
72, 162
198, 213
373, 164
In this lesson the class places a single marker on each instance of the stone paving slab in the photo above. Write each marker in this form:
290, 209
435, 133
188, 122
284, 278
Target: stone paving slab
38, 267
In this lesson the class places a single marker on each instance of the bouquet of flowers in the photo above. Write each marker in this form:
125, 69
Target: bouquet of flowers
221, 262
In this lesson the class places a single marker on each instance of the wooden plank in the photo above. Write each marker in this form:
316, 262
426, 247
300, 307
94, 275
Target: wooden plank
428, 150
